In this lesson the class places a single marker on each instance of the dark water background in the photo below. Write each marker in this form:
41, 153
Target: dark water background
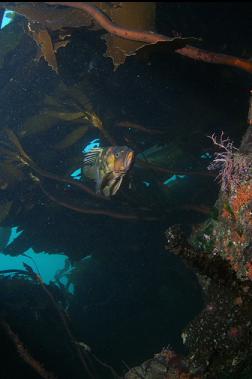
131, 297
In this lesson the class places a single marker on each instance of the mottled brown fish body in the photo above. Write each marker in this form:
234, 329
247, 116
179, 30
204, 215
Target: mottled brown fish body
107, 167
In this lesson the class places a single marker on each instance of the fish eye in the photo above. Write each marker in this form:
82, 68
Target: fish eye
116, 155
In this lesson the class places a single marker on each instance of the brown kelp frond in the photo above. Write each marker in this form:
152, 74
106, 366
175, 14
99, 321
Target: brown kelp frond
107, 366
95, 120
180, 44
48, 27
136, 15
71, 107
53, 19
45, 44
134, 35
48, 118
98, 211
129, 27
83, 355
132, 125
151, 166
24, 353
45, 25
71, 138
126, 34
13, 138
25, 159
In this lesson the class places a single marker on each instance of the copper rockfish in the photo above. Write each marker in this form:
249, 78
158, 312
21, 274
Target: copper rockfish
107, 166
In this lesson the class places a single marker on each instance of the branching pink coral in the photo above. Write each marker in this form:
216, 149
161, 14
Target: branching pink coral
223, 160
233, 166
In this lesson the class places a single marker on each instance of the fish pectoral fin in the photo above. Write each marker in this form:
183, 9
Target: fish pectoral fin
106, 192
111, 184
89, 172
104, 182
116, 185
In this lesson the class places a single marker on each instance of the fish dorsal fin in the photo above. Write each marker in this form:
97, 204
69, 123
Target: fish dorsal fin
91, 157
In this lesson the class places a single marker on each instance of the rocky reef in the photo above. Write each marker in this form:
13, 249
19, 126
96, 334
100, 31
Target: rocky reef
219, 339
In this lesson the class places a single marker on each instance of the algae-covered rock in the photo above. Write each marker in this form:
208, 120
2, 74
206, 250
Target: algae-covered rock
230, 235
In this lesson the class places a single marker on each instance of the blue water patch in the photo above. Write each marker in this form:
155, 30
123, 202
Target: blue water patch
91, 145
47, 265
7, 18
206, 156
44, 264
173, 179
64, 277
76, 174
